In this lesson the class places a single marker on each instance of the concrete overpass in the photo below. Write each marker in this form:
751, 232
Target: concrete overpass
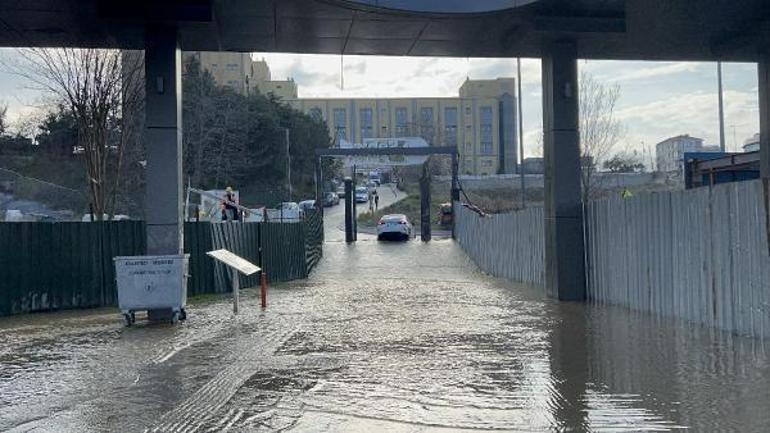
558, 31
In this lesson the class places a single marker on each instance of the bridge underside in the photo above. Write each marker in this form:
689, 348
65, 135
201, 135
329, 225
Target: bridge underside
559, 31
602, 29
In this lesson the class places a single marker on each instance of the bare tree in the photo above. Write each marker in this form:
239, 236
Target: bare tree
600, 130
92, 83
3, 117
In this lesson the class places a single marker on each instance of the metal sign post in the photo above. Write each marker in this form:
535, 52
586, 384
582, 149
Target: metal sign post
237, 265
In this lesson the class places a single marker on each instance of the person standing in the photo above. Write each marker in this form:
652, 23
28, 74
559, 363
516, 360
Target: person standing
376, 201
371, 202
229, 210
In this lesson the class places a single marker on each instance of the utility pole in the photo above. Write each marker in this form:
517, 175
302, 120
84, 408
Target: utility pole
288, 165
521, 136
722, 145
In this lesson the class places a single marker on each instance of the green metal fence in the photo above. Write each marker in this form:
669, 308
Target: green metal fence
314, 238
48, 266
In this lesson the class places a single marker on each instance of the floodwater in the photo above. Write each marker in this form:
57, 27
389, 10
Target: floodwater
384, 337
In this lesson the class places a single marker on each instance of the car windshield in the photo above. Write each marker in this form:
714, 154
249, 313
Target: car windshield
393, 218
361, 189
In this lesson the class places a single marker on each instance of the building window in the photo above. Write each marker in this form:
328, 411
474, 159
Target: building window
340, 122
232, 66
401, 127
316, 114
450, 126
486, 163
467, 111
366, 122
426, 124
485, 129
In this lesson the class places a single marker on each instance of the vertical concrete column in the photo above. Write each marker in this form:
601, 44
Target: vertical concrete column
455, 193
564, 244
163, 137
319, 181
425, 232
350, 201
764, 130
764, 114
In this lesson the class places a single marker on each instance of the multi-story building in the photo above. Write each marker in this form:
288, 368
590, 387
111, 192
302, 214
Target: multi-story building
243, 74
669, 153
480, 121
751, 144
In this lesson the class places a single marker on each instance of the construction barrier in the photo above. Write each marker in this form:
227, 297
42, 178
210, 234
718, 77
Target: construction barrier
50, 266
45, 266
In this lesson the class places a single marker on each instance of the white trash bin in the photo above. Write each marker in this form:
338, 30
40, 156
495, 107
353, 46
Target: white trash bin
156, 284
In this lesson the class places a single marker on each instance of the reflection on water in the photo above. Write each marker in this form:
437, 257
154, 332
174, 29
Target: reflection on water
384, 337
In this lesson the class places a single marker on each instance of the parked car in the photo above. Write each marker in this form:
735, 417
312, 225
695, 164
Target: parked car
341, 191
394, 227
306, 205
87, 218
287, 211
372, 186
330, 199
362, 194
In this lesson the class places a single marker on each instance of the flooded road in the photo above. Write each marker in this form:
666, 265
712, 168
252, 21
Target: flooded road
383, 337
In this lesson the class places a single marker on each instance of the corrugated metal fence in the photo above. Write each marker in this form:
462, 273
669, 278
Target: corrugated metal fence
64, 265
46, 266
505, 245
700, 255
314, 238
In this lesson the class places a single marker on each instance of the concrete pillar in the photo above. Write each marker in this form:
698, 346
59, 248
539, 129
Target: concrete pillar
564, 244
764, 115
425, 232
764, 131
163, 137
455, 193
319, 189
350, 201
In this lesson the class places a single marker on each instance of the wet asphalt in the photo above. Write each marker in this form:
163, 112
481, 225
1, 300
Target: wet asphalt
383, 337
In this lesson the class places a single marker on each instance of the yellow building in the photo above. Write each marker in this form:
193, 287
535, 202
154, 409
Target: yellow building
241, 73
480, 121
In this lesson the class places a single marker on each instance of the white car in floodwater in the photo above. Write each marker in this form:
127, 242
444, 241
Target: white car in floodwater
362, 194
394, 227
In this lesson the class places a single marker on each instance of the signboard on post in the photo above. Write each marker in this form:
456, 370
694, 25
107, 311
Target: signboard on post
236, 264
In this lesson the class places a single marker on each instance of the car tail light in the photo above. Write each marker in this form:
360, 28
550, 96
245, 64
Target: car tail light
402, 222
381, 222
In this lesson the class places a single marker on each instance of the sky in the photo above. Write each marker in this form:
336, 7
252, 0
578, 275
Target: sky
657, 99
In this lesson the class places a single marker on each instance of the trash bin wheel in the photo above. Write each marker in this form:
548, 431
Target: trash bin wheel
182, 314
129, 318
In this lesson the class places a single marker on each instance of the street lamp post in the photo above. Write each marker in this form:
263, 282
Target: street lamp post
288, 165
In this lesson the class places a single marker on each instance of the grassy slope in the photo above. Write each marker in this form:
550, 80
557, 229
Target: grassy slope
409, 206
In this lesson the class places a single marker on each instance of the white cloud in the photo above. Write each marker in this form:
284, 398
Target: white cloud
635, 71
695, 114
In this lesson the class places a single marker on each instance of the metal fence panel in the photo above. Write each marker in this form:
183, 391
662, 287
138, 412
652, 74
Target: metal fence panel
504, 245
314, 238
701, 255
46, 266
283, 251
